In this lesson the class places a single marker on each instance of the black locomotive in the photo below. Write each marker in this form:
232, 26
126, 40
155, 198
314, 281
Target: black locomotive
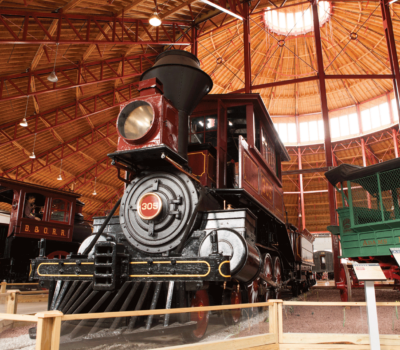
198, 224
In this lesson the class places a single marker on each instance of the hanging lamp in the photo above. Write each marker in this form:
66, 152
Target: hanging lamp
94, 191
59, 178
32, 156
155, 19
53, 76
24, 122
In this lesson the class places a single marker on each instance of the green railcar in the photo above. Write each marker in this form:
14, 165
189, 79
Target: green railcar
369, 217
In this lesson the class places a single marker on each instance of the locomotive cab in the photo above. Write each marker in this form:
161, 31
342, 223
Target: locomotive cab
36, 213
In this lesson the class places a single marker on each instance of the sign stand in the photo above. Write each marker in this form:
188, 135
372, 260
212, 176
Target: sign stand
369, 273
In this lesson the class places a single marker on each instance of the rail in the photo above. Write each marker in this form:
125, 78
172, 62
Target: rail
49, 329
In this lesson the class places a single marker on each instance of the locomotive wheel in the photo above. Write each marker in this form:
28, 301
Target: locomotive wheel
278, 276
201, 317
267, 271
253, 295
233, 297
345, 294
58, 254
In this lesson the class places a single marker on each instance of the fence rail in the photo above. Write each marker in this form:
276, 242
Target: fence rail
49, 328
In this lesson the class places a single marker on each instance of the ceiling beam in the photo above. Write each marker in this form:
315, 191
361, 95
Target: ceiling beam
15, 86
67, 113
53, 156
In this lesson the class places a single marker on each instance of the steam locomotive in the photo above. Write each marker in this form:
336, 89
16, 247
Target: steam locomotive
201, 220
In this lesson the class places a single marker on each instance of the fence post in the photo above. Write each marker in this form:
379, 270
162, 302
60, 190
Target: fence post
3, 287
279, 304
273, 319
12, 301
48, 330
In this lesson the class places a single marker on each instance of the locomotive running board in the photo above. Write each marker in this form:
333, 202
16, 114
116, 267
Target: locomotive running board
157, 269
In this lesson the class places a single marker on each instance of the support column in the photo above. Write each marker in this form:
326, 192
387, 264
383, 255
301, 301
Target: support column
364, 158
195, 45
300, 164
391, 45
327, 131
247, 52
303, 214
394, 133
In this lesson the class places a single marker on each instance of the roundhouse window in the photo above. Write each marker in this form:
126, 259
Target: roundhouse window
295, 20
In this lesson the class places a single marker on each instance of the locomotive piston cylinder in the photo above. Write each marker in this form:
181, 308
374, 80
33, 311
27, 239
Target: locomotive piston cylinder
245, 259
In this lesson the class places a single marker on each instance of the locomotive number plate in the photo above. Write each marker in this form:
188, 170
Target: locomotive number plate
149, 206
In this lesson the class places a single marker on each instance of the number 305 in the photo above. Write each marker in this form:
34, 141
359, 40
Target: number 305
149, 206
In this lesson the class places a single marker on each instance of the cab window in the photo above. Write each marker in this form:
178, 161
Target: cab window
268, 151
34, 206
204, 130
60, 210
323, 264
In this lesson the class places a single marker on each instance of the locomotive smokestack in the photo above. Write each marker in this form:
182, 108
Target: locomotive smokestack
185, 84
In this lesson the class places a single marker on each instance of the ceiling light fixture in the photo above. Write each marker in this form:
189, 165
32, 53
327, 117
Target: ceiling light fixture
53, 76
155, 19
32, 156
94, 191
59, 178
24, 122
222, 9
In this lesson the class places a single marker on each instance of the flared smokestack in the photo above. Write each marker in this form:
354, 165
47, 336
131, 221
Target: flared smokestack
185, 84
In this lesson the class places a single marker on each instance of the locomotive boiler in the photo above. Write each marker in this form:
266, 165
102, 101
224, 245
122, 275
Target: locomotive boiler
201, 219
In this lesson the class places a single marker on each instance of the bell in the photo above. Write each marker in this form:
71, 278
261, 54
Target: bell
52, 77
32, 156
59, 178
94, 193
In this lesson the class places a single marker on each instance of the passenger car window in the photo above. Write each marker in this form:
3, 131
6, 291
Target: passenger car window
60, 210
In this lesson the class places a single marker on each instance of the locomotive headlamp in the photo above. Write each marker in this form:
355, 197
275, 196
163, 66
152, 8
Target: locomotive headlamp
135, 120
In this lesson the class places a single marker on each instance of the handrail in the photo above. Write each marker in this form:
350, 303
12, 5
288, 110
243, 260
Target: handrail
161, 311
344, 303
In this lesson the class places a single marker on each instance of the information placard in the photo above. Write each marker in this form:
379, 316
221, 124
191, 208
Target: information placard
369, 272
396, 253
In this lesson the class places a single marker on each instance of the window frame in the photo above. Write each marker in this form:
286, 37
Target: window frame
52, 199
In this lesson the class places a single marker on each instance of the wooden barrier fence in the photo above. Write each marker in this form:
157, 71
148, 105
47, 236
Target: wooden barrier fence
49, 328
13, 297
3, 286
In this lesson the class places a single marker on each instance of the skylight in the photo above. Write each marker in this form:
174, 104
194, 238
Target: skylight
295, 20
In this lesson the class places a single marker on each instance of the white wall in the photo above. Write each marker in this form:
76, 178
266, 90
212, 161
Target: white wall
4, 218
323, 243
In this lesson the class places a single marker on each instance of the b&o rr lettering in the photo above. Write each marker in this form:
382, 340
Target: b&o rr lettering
62, 232
54, 232
36, 229
26, 228
45, 230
